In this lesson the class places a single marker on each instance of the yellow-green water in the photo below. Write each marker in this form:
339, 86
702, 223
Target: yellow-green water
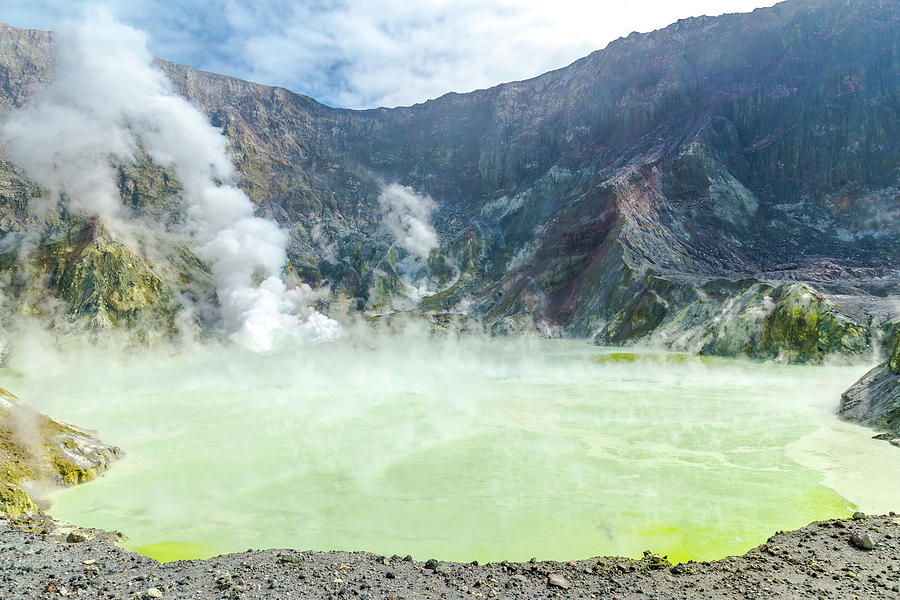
474, 450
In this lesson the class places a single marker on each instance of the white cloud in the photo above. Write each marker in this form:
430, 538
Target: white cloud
364, 53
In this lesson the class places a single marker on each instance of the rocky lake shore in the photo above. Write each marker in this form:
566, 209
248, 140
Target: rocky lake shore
852, 558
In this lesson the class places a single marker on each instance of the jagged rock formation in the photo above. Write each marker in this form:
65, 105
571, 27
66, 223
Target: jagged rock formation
727, 185
875, 399
38, 453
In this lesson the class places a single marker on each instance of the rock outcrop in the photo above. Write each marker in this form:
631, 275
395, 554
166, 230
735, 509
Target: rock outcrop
38, 453
875, 399
727, 184
745, 317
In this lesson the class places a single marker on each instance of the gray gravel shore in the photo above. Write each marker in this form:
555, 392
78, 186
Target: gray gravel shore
824, 560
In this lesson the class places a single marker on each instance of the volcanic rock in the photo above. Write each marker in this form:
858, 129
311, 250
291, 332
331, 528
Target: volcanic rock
862, 540
558, 580
69, 456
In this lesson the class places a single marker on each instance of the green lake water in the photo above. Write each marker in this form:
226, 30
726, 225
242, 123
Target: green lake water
473, 450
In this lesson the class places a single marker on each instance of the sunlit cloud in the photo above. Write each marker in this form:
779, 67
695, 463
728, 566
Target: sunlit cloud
367, 53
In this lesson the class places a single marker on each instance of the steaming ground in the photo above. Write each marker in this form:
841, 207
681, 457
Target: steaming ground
459, 449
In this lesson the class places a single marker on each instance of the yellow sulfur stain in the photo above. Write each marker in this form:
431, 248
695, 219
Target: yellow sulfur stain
171, 551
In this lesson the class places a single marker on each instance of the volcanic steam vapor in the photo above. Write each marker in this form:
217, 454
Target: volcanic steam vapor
107, 103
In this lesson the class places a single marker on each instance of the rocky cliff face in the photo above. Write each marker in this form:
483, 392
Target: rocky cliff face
727, 185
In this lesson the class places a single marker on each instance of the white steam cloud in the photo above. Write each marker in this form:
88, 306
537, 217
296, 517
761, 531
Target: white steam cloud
408, 217
107, 102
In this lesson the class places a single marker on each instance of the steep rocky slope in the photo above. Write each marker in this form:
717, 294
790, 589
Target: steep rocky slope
726, 185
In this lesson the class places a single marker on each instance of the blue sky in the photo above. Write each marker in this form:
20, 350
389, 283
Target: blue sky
366, 53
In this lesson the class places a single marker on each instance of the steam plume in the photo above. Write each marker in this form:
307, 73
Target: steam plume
408, 217
108, 102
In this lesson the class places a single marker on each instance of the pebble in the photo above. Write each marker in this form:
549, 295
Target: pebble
862, 540
151, 594
858, 515
432, 564
655, 560
557, 580
75, 537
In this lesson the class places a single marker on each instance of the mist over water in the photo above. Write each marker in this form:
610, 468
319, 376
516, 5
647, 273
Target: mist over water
462, 449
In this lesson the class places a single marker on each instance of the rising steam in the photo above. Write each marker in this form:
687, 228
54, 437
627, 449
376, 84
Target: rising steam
107, 103
407, 215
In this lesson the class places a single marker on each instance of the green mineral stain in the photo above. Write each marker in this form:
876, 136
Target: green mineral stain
630, 357
462, 449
